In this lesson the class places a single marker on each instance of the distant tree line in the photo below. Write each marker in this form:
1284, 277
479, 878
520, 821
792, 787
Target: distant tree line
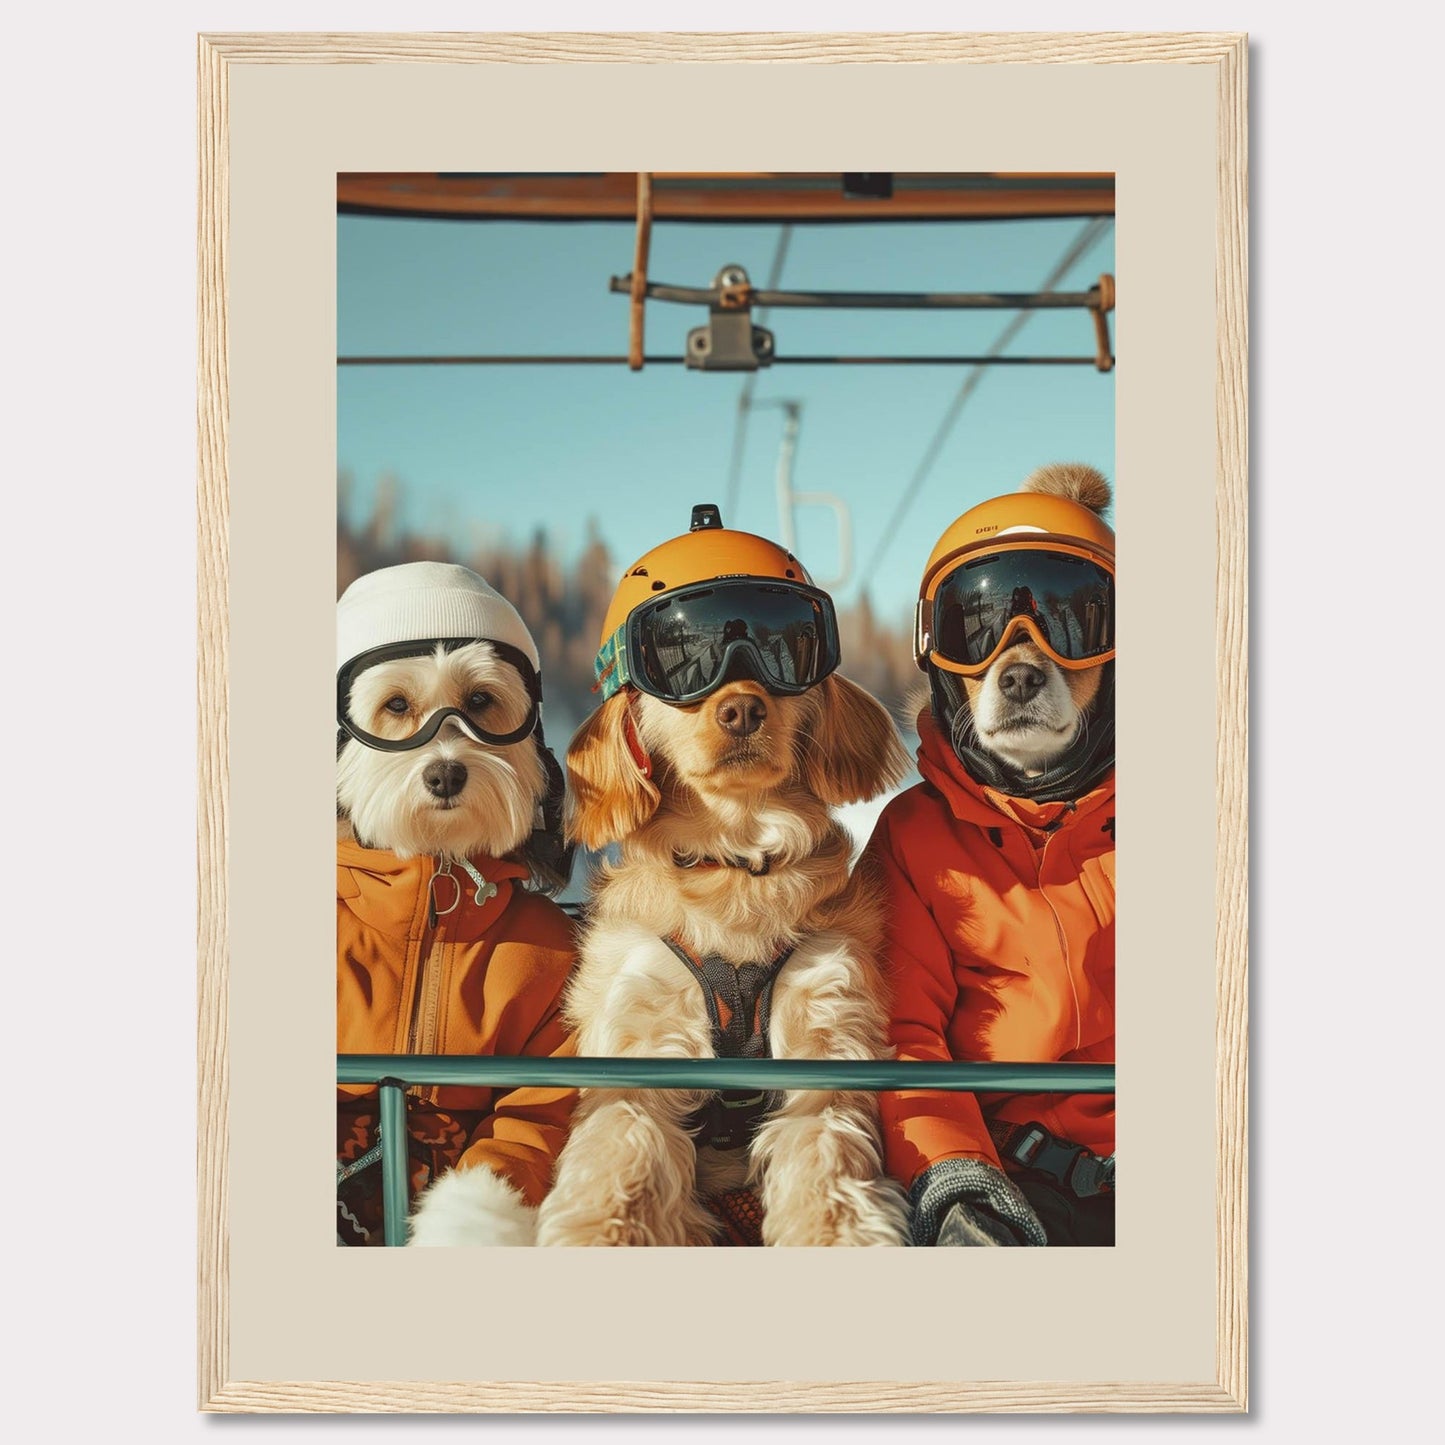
564, 606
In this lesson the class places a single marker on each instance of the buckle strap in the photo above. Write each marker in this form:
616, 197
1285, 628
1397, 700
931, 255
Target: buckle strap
739, 1000
345, 1171
1031, 1146
728, 1120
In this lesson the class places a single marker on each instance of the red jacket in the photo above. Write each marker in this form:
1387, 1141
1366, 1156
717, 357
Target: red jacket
1001, 946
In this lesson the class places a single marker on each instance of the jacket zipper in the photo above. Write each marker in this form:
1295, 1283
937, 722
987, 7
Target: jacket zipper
1063, 940
426, 991
425, 1018
425, 1024
426, 1006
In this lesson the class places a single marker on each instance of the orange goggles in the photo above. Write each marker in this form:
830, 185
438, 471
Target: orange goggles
1061, 596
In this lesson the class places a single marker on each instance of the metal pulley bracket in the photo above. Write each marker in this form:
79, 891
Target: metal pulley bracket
729, 341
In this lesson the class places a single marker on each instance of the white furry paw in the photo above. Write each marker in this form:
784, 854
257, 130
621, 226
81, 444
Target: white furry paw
471, 1207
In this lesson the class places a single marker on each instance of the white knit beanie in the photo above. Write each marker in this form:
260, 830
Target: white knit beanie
418, 601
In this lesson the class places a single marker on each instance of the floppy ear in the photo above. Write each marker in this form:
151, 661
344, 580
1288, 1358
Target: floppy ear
610, 798
853, 752
546, 853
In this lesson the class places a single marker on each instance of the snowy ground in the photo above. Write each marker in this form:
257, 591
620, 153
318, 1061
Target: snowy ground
859, 818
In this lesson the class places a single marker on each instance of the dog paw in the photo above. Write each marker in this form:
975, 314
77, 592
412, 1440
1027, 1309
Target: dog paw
472, 1207
600, 1234
704, 1232
850, 1213
624, 1228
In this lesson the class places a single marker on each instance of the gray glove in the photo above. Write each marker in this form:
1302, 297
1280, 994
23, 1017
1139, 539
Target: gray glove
971, 1202
966, 1224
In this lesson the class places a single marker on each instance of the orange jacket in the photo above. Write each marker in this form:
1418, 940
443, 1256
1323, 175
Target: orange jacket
1001, 946
482, 979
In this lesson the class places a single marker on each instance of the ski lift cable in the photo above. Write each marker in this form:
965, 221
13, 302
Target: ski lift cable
765, 297
1092, 232
745, 397
536, 359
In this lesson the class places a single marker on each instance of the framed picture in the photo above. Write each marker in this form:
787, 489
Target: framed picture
558, 309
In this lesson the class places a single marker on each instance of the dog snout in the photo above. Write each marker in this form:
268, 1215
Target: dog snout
741, 713
444, 778
1019, 681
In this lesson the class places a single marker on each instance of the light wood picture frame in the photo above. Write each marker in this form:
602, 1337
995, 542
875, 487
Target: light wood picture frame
1212, 69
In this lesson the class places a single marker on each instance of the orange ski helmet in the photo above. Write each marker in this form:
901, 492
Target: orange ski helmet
689, 610
1027, 561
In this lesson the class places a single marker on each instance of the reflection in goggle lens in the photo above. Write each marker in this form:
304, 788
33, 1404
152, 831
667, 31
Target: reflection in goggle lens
1069, 599
685, 639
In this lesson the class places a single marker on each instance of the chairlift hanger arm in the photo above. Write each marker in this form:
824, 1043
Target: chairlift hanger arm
638, 279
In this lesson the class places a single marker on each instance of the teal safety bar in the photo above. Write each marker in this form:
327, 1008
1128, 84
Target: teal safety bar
395, 1196
594, 1073
395, 1072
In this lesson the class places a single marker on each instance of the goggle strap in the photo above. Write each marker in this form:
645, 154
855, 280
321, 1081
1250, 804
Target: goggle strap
610, 665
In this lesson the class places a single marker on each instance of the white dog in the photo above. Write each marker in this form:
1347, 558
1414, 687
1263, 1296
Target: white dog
448, 813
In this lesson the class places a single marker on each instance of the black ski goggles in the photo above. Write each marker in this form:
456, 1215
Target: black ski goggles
681, 647
1060, 596
474, 722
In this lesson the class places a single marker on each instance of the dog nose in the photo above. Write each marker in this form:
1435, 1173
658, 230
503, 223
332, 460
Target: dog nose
741, 713
1020, 681
444, 779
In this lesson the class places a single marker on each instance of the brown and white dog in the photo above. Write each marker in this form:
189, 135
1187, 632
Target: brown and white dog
729, 850
1026, 710
999, 870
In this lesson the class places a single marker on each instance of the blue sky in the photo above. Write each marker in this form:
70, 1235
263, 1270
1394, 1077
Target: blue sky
494, 451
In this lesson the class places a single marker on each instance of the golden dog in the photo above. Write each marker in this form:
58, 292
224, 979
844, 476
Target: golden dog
729, 854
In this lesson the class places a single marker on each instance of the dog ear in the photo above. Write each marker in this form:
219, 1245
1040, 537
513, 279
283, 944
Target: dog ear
546, 853
853, 751
610, 798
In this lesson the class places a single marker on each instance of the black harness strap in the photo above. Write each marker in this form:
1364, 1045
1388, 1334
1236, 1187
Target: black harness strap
739, 1002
